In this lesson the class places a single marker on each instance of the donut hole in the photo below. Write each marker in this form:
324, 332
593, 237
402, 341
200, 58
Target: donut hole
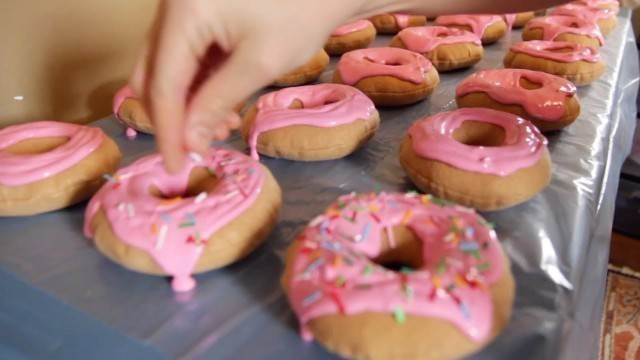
528, 84
36, 146
478, 133
200, 180
384, 62
406, 252
574, 25
298, 104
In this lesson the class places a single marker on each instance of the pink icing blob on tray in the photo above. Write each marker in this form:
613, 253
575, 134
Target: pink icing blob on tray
172, 229
16, 170
478, 23
547, 50
351, 27
523, 143
556, 25
399, 63
424, 39
503, 85
333, 272
324, 105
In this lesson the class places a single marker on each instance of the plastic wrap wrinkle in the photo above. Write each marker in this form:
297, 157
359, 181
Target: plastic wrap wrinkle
558, 243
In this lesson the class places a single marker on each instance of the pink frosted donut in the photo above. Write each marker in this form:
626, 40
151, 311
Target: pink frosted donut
580, 64
606, 19
49, 165
392, 23
216, 210
548, 101
613, 5
489, 28
482, 158
389, 76
456, 276
446, 48
355, 35
563, 28
314, 122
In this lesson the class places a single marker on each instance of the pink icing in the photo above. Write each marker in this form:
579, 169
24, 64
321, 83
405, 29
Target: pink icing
478, 23
556, 25
545, 49
173, 231
523, 144
599, 3
510, 19
324, 105
424, 39
589, 13
351, 27
402, 20
399, 63
503, 85
333, 272
16, 170
123, 94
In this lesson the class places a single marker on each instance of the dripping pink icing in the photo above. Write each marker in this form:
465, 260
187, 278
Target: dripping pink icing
478, 23
503, 85
363, 63
545, 49
333, 272
123, 94
16, 170
351, 27
589, 13
510, 19
556, 25
424, 39
402, 20
523, 144
324, 105
173, 231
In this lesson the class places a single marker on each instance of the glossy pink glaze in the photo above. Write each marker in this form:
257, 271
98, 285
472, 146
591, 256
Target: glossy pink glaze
600, 3
424, 39
510, 19
173, 232
334, 273
324, 105
545, 50
556, 25
351, 27
590, 13
523, 144
123, 94
503, 85
16, 170
478, 23
402, 20
399, 63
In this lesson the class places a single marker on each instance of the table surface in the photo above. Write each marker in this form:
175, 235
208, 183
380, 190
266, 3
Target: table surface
61, 298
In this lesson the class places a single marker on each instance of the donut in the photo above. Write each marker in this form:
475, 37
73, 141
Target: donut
481, 158
453, 295
306, 73
605, 18
580, 64
392, 23
489, 28
563, 28
548, 101
447, 48
50, 165
309, 123
603, 4
215, 211
518, 20
129, 110
388, 76
355, 35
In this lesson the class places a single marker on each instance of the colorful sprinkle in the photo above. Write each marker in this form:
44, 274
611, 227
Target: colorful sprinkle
365, 231
340, 281
162, 235
154, 229
186, 224
441, 267
171, 201
407, 216
165, 217
314, 265
313, 297
465, 310
200, 198
484, 266
231, 194
399, 315
407, 290
368, 270
195, 157
468, 246
375, 217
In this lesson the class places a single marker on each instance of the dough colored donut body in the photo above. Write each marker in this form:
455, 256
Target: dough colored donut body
392, 23
310, 123
481, 158
604, 17
306, 73
215, 211
518, 20
388, 76
446, 48
48, 165
577, 63
489, 28
355, 35
548, 101
451, 302
563, 28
